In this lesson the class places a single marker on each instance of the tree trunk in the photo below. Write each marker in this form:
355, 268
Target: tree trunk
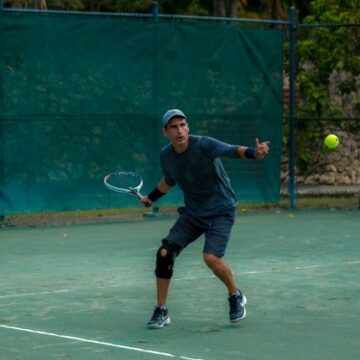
232, 9
219, 8
40, 4
226, 8
26, 4
20, 4
276, 11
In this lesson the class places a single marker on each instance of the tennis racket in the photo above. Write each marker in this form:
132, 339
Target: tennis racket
126, 182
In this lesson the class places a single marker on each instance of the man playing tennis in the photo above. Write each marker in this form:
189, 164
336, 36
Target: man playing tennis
193, 163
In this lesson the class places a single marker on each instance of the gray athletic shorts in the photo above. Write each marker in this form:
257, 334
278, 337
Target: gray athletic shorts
216, 229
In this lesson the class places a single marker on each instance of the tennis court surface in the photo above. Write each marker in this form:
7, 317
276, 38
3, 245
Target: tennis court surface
87, 291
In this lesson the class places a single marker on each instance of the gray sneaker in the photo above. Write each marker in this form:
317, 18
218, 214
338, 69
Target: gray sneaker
159, 319
237, 307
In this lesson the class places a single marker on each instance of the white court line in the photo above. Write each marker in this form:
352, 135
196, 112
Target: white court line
189, 278
308, 267
305, 267
96, 342
36, 293
59, 291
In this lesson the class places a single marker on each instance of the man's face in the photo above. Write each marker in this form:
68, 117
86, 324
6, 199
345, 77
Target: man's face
177, 131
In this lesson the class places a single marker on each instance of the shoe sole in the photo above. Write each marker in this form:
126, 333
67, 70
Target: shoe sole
240, 318
159, 326
244, 313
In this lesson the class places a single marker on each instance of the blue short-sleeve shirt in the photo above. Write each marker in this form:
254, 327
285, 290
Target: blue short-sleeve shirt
199, 173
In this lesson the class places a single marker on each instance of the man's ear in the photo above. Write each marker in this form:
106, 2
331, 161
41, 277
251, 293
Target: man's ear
164, 131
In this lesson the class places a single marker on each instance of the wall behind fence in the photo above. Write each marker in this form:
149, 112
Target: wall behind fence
82, 96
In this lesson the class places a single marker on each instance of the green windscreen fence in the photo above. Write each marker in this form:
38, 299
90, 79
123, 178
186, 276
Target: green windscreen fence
82, 96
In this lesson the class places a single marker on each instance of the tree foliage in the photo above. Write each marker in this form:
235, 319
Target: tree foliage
328, 71
275, 9
326, 50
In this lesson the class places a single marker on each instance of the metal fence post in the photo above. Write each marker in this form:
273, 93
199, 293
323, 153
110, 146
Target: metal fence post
292, 108
155, 9
2, 216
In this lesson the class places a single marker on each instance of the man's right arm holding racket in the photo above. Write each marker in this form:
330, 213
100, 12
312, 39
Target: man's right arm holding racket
161, 189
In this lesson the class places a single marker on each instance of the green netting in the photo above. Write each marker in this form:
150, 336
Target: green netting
82, 96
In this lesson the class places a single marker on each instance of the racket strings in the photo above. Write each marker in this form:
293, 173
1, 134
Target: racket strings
125, 181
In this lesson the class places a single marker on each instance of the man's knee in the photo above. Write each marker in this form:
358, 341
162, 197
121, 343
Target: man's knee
211, 260
165, 259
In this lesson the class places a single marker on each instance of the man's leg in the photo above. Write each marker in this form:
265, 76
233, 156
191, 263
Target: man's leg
165, 259
222, 270
162, 289
237, 300
180, 235
217, 237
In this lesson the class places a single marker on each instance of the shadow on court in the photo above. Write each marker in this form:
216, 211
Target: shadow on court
87, 291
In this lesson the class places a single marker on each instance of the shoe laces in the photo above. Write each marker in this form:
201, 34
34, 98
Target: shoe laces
159, 311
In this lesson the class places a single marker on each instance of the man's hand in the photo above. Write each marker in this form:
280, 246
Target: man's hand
145, 201
261, 149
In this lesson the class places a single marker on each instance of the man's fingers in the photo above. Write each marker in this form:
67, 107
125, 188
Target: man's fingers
262, 148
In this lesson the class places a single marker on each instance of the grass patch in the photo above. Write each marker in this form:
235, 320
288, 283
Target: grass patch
137, 214
324, 202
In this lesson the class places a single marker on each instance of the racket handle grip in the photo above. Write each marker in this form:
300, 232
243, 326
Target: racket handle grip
147, 204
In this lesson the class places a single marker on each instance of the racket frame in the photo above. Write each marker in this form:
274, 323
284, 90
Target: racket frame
131, 190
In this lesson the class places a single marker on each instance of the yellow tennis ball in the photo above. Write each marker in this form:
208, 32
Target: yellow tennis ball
331, 141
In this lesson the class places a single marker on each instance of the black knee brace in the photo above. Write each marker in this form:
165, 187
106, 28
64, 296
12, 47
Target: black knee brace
165, 263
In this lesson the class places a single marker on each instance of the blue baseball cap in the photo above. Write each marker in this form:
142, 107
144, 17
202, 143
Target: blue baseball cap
170, 114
